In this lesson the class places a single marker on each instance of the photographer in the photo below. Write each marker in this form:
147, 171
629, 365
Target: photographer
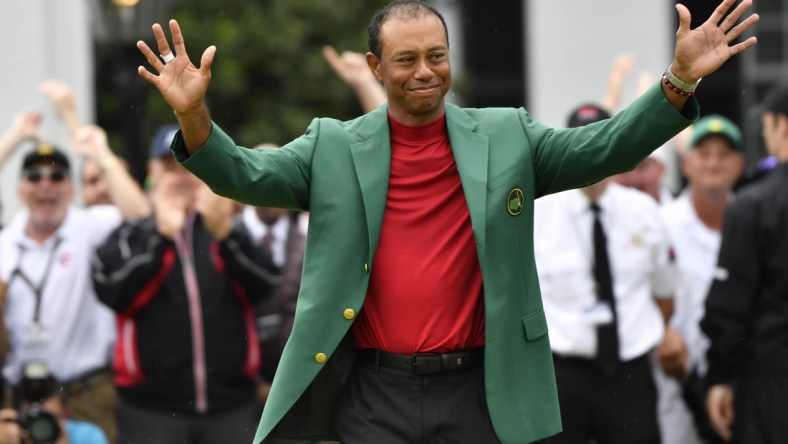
41, 416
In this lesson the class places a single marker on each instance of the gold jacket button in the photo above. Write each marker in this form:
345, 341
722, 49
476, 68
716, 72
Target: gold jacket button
320, 358
366, 267
349, 313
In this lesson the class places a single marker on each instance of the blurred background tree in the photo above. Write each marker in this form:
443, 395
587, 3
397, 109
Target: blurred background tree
269, 76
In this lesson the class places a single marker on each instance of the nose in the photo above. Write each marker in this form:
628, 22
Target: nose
423, 71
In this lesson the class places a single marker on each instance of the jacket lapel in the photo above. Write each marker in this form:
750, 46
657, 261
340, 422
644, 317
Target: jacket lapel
471, 151
372, 161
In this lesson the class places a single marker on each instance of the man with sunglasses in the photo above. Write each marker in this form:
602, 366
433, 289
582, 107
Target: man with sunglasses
51, 311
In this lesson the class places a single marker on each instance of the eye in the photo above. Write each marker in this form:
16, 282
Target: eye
437, 56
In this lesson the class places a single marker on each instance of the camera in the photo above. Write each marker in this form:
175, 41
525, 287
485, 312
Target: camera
42, 427
35, 387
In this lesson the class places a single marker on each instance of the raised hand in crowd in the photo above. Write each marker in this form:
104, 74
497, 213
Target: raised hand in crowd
353, 69
90, 142
619, 72
24, 127
171, 200
217, 212
65, 102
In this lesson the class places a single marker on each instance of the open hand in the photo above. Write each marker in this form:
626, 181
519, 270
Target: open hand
182, 84
217, 212
351, 66
61, 95
25, 126
64, 100
700, 51
172, 197
91, 141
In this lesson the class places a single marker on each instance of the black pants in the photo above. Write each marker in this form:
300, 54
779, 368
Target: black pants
694, 392
619, 408
390, 406
761, 406
138, 426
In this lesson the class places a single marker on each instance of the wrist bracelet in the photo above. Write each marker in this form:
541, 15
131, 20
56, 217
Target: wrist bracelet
677, 85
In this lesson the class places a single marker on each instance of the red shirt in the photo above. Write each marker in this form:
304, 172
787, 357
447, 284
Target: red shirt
425, 290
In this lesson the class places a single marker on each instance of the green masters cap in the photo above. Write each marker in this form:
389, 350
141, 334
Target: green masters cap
716, 125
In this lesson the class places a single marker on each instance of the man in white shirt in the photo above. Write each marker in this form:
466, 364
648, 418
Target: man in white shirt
712, 166
51, 311
608, 404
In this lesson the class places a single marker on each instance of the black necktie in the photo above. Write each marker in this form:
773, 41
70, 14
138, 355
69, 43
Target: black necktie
607, 334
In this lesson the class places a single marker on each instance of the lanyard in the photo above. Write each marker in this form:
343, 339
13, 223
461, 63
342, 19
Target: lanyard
38, 290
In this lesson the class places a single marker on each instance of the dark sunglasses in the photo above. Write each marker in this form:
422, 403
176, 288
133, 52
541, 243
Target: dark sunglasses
55, 175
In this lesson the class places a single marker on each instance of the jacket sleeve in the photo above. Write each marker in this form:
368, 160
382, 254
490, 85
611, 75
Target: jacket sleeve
129, 263
247, 264
577, 157
732, 299
265, 178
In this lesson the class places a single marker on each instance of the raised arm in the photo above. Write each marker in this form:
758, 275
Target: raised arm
700, 51
182, 84
622, 67
64, 100
23, 128
353, 69
90, 141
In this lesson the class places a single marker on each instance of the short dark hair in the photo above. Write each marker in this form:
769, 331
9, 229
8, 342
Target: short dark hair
776, 100
399, 9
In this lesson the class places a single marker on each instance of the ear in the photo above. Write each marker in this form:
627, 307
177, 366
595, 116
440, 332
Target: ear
782, 124
661, 168
374, 65
741, 165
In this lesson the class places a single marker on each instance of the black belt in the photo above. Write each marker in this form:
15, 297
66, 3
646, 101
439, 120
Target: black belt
424, 363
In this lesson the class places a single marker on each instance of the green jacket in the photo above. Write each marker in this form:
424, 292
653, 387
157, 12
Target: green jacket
339, 171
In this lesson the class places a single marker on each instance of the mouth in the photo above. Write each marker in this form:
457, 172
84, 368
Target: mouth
424, 90
47, 202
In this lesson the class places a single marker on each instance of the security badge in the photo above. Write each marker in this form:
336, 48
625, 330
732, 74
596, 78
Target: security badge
515, 202
35, 335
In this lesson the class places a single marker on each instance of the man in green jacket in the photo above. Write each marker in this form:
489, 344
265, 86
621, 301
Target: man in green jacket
419, 317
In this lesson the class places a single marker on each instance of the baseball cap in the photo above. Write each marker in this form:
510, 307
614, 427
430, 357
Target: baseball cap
715, 125
45, 153
585, 114
161, 141
776, 100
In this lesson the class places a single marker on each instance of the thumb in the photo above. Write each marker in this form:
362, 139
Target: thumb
684, 18
330, 54
207, 59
